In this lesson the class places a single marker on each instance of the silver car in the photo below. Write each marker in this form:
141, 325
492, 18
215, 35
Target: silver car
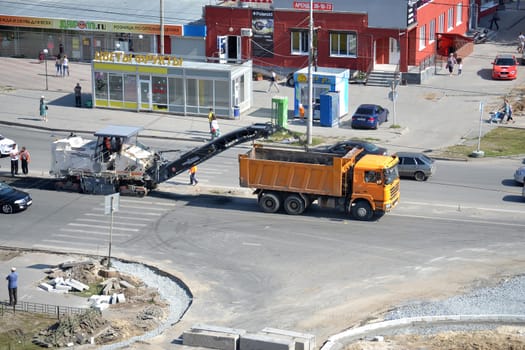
519, 175
415, 165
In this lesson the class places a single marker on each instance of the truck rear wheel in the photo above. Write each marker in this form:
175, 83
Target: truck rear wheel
361, 210
269, 202
294, 204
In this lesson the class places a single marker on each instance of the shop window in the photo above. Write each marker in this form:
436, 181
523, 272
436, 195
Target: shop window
101, 86
192, 92
159, 91
343, 44
222, 98
176, 91
130, 88
115, 87
205, 93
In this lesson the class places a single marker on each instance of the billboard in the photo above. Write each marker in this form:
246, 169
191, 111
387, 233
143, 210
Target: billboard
262, 27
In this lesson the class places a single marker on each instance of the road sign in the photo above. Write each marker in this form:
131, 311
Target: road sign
111, 204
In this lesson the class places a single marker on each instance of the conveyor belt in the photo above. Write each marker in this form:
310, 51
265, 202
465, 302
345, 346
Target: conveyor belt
198, 155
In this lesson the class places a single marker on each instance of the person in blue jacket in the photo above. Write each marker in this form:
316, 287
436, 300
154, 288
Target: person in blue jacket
12, 286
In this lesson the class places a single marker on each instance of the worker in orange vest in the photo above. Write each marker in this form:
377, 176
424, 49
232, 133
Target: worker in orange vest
301, 111
193, 175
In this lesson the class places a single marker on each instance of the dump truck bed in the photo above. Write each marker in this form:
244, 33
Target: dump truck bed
296, 171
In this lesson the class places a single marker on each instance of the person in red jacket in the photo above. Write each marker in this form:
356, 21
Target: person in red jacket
25, 158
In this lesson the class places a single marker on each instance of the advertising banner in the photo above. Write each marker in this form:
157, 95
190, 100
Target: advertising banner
262, 27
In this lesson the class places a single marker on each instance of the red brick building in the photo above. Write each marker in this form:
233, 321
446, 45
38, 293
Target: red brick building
360, 35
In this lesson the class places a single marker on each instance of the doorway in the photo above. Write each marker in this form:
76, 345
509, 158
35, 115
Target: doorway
393, 51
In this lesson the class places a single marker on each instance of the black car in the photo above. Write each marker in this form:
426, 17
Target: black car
369, 116
341, 148
13, 200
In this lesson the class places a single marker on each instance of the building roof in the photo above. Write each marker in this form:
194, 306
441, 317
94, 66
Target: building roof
127, 11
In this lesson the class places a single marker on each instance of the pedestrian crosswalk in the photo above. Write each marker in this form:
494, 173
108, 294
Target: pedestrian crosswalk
91, 230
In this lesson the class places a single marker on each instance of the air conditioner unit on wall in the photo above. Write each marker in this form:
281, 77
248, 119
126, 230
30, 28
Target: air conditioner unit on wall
246, 32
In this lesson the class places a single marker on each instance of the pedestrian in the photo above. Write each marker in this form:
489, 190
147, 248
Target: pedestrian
43, 109
494, 20
12, 286
301, 112
58, 66
193, 175
460, 65
25, 158
65, 66
521, 42
451, 62
215, 130
508, 110
13, 155
78, 95
273, 82
211, 115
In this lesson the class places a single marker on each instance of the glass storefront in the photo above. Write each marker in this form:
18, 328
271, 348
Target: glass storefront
191, 89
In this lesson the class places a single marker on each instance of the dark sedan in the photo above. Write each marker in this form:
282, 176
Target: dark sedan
369, 116
13, 200
341, 148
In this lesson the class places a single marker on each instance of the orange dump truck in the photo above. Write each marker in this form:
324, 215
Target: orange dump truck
362, 185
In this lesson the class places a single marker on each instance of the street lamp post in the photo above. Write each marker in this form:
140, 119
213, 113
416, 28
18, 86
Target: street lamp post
46, 51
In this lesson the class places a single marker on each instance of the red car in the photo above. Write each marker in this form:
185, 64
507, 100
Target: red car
505, 67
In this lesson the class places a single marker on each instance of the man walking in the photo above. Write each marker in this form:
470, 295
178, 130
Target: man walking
193, 175
78, 95
13, 155
273, 82
12, 286
25, 158
494, 20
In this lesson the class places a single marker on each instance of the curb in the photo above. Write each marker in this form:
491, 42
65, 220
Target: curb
337, 341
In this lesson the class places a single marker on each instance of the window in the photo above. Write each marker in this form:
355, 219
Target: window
343, 44
422, 38
450, 18
101, 86
459, 8
300, 42
130, 88
441, 23
432, 31
221, 94
159, 87
115, 87
176, 91
372, 176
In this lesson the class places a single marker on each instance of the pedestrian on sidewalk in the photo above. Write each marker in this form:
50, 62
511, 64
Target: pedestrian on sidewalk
43, 108
451, 62
211, 115
78, 95
65, 66
508, 110
273, 82
215, 130
25, 158
494, 20
193, 175
460, 65
521, 42
12, 286
58, 66
13, 155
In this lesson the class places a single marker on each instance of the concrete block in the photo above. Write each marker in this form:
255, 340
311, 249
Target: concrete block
121, 298
262, 341
62, 287
206, 327
210, 339
101, 306
76, 284
45, 286
303, 341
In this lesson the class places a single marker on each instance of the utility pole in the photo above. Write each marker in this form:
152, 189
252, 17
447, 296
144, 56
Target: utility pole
309, 125
162, 27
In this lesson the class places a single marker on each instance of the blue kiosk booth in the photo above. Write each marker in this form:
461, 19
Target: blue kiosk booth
330, 94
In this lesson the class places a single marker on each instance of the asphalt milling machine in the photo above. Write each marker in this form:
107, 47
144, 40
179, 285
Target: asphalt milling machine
117, 162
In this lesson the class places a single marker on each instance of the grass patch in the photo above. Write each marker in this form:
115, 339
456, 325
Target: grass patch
293, 138
17, 330
94, 288
498, 142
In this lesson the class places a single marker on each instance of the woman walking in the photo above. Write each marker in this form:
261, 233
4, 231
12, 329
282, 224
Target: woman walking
43, 109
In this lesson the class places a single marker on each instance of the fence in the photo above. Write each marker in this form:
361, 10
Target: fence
54, 311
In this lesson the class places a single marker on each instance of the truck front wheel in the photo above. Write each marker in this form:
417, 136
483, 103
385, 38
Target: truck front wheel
294, 205
361, 210
269, 202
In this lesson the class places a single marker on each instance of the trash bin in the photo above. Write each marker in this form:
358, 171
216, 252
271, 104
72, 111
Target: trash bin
280, 111
236, 112
88, 104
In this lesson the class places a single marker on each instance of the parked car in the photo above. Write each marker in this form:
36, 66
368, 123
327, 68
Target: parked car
13, 200
369, 116
519, 175
6, 145
415, 165
505, 66
341, 148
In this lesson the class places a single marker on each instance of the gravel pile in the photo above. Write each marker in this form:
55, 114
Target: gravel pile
170, 291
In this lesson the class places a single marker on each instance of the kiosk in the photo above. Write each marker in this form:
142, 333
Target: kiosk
324, 80
169, 84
